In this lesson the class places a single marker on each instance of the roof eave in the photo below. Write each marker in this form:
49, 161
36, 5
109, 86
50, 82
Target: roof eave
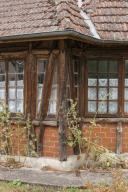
60, 34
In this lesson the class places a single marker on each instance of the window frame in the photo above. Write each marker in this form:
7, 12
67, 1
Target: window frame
120, 100
6, 59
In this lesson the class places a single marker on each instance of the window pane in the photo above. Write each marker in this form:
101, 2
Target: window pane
12, 106
92, 65
126, 66
12, 80
16, 66
40, 79
102, 107
2, 94
20, 78
103, 82
53, 97
12, 94
103, 65
19, 93
92, 106
12, 67
39, 92
126, 94
126, 107
113, 82
42, 65
113, 107
2, 80
113, 66
19, 106
126, 82
19, 66
113, 93
102, 93
2, 67
92, 94
92, 82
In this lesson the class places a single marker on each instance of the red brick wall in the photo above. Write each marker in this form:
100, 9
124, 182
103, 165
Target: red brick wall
51, 143
105, 134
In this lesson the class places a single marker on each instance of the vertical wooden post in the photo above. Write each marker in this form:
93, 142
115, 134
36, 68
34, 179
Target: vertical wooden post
62, 100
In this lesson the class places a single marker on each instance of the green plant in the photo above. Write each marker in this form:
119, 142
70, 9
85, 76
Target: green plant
32, 142
16, 182
74, 133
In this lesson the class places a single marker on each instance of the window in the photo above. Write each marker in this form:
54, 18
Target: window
12, 84
53, 98
41, 69
103, 86
126, 88
76, 76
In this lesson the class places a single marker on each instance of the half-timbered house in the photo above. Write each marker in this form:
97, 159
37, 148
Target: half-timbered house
53, 50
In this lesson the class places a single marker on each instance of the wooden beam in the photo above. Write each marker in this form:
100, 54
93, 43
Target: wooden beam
46, 92
62, 100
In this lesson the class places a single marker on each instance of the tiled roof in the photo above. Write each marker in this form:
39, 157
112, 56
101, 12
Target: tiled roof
110, 18
19, 17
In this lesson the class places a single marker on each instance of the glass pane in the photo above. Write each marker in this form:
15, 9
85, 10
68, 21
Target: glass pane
103, 82
19, 93
92, 106
113, 107
92, 82
126, 107
126, 94
113, 82
76, 79
126, 66
20, 78
92, 94
2, 67
102, 94
103, 64
92, 65
38, 106
113, 66
39, 93
2, 80
12, 67
75, 66
19, 106
12, 80
102, 107
12, 93
19, 66
40, 79
52, 107
42, 65
12, 106
2, 94
113, 93
126, 82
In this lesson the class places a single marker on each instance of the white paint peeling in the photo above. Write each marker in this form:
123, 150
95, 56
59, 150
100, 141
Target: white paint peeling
90, 24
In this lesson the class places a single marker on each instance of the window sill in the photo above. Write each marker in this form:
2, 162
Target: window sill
52, 123
106, 120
